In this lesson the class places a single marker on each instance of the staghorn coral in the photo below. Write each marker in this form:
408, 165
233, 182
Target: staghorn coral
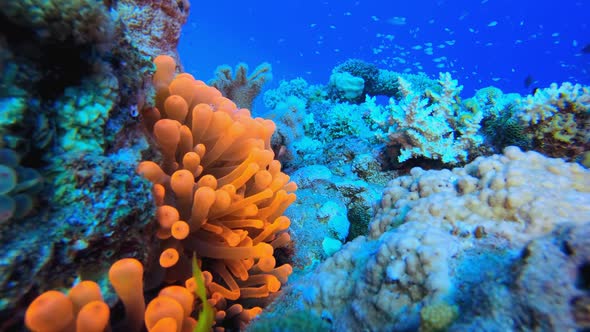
242, 88
218, 192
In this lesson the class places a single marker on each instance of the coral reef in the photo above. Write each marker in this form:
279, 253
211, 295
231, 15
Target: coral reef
439, 236
71, 117
101, 160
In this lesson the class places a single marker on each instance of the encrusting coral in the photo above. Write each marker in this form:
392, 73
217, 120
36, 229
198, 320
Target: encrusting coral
219, 194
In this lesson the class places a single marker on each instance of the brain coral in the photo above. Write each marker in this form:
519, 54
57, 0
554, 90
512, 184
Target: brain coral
218, 192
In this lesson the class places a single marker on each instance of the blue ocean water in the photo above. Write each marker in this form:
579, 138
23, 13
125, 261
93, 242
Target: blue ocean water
480, 42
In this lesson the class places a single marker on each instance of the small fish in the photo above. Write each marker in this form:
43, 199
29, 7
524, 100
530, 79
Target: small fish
397, 20
493, 23
586, 49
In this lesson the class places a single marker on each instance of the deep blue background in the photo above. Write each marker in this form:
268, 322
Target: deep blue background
308, 38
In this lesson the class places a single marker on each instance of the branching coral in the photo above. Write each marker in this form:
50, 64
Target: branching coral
242, 88
435, 127
219, 179
558, 118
